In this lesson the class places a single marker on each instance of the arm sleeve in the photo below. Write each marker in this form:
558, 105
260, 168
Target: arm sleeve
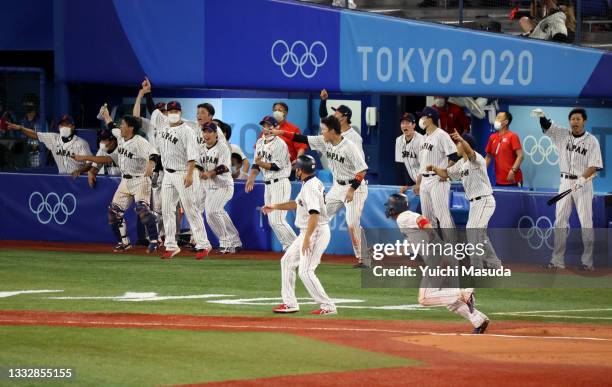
448, 145
358, 161
158, 119
280, 155
145, 125
150, 103
48, 139
489, 147
323, 109
555, 132
515, 142
454, 172
595, 159
83, 148
398, 150
191, 143
311, 200
316, 143
117, 133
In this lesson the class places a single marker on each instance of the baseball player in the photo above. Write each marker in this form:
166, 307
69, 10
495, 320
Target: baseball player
63, 145
305, 251
177, 144
471, 169
136, 159
344, 114
237, 163
579, 159
456, 300
227, 132
407, 148
439, 150
219, 186
348, 169
272, 159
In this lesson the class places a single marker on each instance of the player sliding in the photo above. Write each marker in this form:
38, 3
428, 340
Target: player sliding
305, 252
456, 300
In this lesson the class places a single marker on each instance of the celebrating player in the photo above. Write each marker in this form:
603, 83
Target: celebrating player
219, 189
471, 169
456, 300
305, 252
348, 169
407, 148
579, 159
437, 149
272, 159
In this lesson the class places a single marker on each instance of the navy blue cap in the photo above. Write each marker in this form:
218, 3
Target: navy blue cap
66, 119
209, 127
408, 117
268, 120
345, 110
173, 105
430, 112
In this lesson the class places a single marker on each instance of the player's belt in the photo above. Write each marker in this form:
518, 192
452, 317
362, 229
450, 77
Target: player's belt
428, 174
170, 170
568, 176
479, 197
268, 182
128, 176
345, 182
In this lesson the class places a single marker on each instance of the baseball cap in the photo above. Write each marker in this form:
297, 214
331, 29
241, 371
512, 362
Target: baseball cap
268, 120
428, 111
470, 140
173, 105
161, 106
209, 127
106, 134
345, 110
408, 117
65, 119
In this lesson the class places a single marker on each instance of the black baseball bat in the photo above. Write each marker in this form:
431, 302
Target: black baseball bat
563, 194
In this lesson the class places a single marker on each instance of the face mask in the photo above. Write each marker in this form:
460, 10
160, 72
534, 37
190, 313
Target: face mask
422, 123
174, 118
103, 147
278, 115
497, 125
234, 169
439, 102
65, 131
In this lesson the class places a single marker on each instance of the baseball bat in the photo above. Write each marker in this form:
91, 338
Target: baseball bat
563, 194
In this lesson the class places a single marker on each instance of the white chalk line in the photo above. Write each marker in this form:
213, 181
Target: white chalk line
281, 327
556, 316
557, 311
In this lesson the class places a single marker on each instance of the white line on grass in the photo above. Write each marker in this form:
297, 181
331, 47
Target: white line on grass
280, 327
556, 311
555, 316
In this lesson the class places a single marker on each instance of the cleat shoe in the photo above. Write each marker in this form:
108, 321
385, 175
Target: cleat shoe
586, 268
321, 312
553, 267
471, 302
200, 254
153, 247
283, 308
168, 254
238, 249
121, 247
482, 328
230, 250
360, 265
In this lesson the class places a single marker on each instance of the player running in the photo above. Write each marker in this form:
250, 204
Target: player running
305, 251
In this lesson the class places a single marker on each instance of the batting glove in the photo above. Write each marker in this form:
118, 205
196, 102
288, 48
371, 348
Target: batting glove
581, 182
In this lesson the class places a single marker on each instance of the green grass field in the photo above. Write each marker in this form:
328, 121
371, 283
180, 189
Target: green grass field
108, 275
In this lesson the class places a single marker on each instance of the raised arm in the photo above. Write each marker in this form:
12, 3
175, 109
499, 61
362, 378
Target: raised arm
28, 132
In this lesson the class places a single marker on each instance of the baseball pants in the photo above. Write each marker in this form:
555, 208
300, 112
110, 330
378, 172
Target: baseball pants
173, 189
216, 216
453, 300
435, 196
335, 200
582, 198
129, 190
481, 212
307, 264
156, 200
275, 193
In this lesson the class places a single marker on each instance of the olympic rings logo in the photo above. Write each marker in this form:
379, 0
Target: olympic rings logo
299, 57
541, 150
51, 207
537, 233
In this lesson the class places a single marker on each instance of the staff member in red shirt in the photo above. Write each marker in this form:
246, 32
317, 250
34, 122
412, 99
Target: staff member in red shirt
452, 117
505, 148
279, 112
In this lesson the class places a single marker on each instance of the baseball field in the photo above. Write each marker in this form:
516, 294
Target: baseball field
133, 319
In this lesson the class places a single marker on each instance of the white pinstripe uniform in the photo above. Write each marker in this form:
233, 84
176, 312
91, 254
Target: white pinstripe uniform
310, 198
177, 146
109, 170
435, 149
63, 151
278, 187
478, 190
452, 298
407, 152
355, 138
157, 178
345, 162
220, 189
576, 154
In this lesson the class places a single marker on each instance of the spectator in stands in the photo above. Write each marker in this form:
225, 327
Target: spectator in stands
237, 172
505, 148
227, 131
452, 117
546, 22
342, 3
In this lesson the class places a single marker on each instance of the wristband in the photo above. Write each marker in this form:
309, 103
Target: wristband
423, 223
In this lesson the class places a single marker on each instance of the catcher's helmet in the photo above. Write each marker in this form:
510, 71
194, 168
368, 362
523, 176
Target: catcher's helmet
306, 163
396, 204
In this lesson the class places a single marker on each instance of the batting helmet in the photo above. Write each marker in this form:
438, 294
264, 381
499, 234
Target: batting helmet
306, 163
396, 204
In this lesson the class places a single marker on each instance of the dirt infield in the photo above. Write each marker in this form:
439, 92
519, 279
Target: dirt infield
512, 353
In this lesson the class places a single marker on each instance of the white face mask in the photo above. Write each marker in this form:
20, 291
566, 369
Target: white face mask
422, 123
439, 102
497, 125
234, 169
65, 131
174, 117
103, 147
278, 115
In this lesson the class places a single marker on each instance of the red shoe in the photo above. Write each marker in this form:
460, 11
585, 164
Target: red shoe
321, 312
283, 308
168, 254
201, 253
